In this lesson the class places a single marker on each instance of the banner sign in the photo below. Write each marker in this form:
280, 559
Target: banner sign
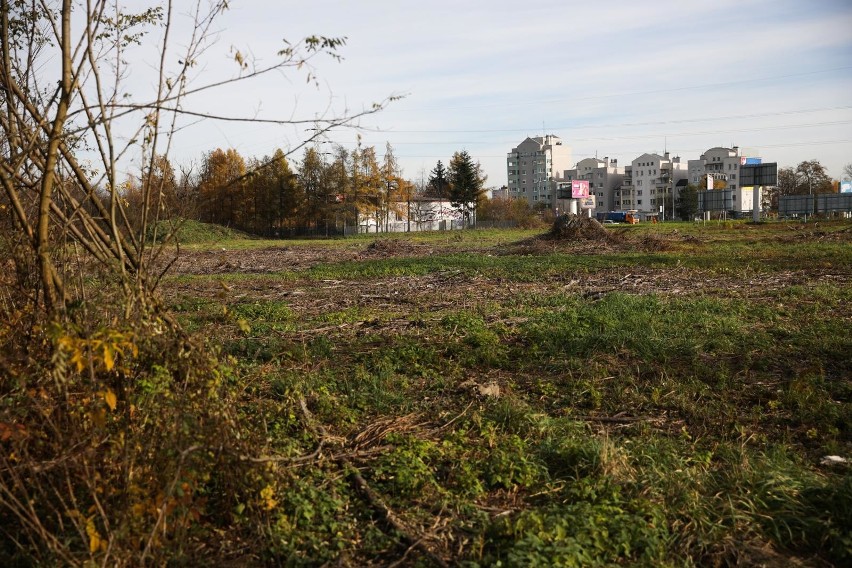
846, 186
587, 202
579, 188
750, 161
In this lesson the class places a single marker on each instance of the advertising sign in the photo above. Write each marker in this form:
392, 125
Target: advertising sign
750, 161
579, 188
759, 174
846, 186
587, 202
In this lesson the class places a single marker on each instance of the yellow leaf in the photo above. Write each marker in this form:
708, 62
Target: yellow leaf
109, 357
110, 399
96, 542
78, 358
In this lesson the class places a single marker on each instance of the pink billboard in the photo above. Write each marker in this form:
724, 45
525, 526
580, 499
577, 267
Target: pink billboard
579, 188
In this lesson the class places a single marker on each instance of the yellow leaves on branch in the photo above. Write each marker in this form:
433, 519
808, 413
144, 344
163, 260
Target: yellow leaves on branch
96, 542
100, 351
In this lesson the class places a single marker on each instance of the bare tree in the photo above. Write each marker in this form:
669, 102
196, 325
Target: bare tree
98, 476
50, 123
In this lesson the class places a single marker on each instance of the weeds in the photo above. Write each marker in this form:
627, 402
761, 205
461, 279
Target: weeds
503, 410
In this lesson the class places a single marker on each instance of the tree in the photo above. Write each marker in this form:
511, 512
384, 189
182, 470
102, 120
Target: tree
276, 194
221, 189
847, 171
808, 178
812, 178
686, 205
312, 182
397, 191
339, 186
467, 184
62, 92
128, 418
438, 183
373, 187
507, 209
787, 185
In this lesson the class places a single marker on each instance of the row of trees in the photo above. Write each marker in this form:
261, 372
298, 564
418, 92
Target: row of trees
269, 196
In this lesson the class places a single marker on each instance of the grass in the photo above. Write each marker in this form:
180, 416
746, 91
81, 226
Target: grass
633, 426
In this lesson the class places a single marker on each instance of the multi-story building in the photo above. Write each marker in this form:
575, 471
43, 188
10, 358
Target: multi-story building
724, 165
604, 177
533, 166
648, 185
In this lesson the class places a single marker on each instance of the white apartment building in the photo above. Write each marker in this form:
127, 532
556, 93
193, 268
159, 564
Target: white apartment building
648, 182
604, 177
724, 164
533, 166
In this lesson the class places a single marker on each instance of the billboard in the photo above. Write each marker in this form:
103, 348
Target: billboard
750, 161
579, 188
759, 174
715, 200
846, 186
587, 202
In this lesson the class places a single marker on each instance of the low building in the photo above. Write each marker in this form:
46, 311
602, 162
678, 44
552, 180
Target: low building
415, 215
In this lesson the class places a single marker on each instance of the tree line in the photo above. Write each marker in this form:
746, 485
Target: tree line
323, 192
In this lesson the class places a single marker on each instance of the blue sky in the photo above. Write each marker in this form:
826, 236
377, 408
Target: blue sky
611, 78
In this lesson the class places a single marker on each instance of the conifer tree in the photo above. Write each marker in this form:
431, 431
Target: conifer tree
466, 184
438, 183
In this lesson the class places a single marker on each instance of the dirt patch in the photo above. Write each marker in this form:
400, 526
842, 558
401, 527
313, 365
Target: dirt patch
254, 261
389, 248
576, 228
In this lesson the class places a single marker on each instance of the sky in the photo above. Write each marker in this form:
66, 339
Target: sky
611, 78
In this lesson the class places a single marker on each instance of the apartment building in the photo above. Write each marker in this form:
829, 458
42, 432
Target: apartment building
724, 164
647, 185
534, 165
604, 177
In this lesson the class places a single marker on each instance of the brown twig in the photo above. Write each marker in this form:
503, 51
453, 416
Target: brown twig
373, 499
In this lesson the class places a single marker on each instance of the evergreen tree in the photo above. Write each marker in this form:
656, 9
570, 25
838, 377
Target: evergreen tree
439, 184
467, 184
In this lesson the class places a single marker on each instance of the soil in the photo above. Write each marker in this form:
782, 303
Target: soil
448, 288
